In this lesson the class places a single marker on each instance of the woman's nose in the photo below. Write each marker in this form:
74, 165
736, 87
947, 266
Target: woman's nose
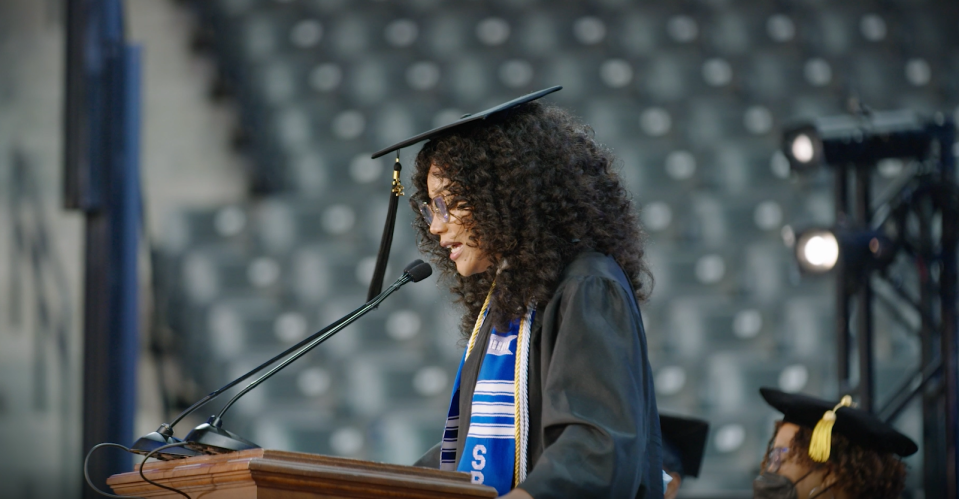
437, 225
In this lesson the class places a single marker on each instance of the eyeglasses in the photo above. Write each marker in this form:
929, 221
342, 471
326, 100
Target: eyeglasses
437, 206
774, 459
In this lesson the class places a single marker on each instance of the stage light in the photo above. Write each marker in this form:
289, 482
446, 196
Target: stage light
802, 148
817, 251
857, 140
820, 250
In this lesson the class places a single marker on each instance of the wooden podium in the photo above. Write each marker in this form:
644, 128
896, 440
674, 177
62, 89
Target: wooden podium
272, 474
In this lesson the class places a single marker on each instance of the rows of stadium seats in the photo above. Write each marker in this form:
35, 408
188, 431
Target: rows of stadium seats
297, 68
691, 96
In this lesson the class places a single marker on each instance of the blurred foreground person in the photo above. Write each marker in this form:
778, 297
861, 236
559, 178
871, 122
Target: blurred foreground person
525, 216
828, 450
684, 442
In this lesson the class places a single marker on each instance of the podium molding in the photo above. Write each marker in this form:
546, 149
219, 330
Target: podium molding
273, 474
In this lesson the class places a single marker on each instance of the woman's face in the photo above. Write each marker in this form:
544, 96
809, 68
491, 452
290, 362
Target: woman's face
454, 236
796, 471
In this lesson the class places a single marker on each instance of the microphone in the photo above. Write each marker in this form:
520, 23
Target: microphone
416, 271
211, 437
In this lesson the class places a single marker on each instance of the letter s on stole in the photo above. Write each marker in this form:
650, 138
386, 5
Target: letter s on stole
479, 456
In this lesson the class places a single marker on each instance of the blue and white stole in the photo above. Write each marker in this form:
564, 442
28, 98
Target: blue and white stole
495, 450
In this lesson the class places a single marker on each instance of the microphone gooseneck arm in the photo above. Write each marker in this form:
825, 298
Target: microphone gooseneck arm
415, 271
212, 395
321, 337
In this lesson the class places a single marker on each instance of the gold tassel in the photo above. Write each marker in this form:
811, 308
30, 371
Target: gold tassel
821, 442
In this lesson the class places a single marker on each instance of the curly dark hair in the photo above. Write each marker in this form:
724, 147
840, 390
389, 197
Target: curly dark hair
859, 472
539, 191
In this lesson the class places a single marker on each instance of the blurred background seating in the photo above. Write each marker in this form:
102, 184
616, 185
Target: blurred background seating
691, 96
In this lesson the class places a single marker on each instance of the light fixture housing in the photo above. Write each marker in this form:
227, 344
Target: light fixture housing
857, 139
820, 250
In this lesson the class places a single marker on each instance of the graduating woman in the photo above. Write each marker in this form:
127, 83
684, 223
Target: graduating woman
831, 451
524, 213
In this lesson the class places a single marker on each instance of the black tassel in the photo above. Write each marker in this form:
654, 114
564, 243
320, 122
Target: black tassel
386, 242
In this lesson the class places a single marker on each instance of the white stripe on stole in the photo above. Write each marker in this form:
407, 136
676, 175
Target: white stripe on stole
493, 409
482, 430
494, 388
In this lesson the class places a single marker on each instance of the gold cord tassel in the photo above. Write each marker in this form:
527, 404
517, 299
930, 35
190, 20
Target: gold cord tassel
821, 442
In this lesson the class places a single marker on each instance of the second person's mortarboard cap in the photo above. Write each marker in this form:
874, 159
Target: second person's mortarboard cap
684, 441
825, 418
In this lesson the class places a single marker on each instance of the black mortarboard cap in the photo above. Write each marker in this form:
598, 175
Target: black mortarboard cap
467, 118
684, 441
376, 284
856, 425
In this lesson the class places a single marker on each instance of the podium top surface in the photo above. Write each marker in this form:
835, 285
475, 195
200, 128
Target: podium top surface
258, 473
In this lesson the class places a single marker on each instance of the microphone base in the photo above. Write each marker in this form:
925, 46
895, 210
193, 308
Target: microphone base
152, 441
211, 438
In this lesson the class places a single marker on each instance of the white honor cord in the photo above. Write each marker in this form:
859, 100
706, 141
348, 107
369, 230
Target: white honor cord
522, 356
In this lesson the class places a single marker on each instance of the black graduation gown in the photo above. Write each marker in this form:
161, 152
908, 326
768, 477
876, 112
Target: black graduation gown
594, 426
